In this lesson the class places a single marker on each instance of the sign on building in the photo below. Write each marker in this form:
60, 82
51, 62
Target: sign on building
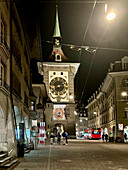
120, 126
34, 123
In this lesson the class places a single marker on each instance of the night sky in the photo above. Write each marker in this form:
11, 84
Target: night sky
77, 28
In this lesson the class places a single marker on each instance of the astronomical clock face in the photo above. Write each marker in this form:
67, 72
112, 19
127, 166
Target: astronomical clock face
59, 114
58, 86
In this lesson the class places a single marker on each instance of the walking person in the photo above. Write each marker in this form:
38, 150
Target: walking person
58, 138
106, 137
51, 138
63, 135
125, 137
103, 137
66, 137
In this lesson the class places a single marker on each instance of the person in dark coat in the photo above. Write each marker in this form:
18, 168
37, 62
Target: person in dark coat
63, 135
106, 137
52, 138
103, 137
66, 137
58, 138
125, 137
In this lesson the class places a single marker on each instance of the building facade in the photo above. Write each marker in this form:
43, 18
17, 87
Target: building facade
107, 108
7, 133
81, 120
15, 79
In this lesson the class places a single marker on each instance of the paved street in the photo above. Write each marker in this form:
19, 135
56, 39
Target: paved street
77, 155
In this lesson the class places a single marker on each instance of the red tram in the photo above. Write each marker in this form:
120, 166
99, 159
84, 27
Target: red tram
93, 133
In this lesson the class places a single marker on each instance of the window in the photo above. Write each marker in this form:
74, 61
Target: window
126, 113
1, 31
16, 53
25, 98
16, 85
2, 69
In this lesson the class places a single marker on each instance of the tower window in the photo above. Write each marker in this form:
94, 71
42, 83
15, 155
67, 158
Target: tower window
54, 73
61, 73
58, 57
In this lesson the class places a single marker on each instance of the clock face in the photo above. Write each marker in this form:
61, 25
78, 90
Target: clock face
58, 86
59, 114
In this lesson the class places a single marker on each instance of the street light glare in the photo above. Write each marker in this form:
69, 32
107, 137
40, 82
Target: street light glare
124, 93
111, 16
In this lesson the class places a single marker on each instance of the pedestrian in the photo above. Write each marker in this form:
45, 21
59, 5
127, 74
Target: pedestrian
103, 137
66, 137
58, 138
106, 137
51, 138
63, 135
125, 137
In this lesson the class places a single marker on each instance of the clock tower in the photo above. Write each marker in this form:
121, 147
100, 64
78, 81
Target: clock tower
59, 74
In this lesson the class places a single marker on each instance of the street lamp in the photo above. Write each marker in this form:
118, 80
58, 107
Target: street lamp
110, 13
94, 113
124, 93
75, 112
110, 16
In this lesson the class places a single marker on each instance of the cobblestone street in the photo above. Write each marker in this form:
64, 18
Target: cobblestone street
77, 155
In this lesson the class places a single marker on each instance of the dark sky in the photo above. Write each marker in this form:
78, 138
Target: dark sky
74, 17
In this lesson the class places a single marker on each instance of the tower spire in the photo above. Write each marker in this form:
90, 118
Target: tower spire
57, 28
57, 36
57, 53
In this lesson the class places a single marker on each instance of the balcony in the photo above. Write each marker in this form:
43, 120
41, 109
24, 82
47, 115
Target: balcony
4, 84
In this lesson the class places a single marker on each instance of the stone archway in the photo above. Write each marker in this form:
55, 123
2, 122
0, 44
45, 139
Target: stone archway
18, 119
58, 128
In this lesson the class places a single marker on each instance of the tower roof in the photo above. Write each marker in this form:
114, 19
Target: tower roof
57, 28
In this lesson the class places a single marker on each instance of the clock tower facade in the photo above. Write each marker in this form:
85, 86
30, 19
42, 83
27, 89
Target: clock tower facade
59, 75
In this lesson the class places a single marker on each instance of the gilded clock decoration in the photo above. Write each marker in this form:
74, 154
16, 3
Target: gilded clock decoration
58, 86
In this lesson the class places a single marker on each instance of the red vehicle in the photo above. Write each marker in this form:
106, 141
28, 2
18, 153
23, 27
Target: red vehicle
94, 133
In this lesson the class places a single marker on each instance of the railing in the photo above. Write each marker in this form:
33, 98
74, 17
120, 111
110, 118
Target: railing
3, 41
4, 84
3, 138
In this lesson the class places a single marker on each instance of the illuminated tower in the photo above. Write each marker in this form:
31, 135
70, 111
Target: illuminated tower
59, 75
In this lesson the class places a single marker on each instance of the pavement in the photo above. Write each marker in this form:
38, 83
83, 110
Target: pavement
77, 155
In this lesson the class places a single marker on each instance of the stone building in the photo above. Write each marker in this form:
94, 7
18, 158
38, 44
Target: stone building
7, 133
15, 79
107, 108
81, 120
